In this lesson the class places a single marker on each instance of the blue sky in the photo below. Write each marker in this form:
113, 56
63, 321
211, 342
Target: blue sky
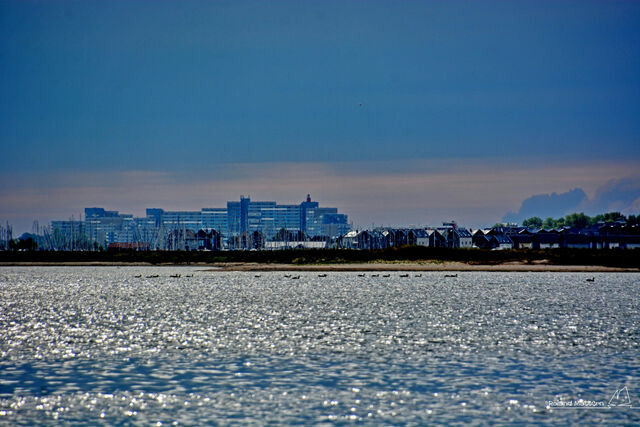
205, 94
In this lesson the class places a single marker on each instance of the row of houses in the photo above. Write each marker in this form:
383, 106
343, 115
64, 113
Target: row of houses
599, 236
444, 237
209, 240
448, 236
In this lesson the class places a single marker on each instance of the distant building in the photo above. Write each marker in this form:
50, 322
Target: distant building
456, 237
421, 237
67, 227
436, 239
241, 224
106, 227
139, 246
214, 219
465, 238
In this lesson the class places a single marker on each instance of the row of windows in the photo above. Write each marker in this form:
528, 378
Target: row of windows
267, 217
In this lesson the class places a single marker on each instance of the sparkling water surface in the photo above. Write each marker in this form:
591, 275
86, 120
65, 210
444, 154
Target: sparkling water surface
101, 346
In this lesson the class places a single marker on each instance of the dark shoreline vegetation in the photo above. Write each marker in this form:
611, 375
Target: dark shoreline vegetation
581, 257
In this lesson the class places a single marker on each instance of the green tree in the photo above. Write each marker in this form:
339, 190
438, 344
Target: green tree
577, 220
534, 222
549, 223
608, 217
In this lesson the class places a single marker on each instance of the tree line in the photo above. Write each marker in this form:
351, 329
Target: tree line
579, 220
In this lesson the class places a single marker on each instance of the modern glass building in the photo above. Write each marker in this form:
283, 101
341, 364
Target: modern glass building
106, 226
239, 218
325, 222
268, 217
214, 219
182, 220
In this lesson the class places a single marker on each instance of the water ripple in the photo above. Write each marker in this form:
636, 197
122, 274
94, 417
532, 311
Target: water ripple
100, 345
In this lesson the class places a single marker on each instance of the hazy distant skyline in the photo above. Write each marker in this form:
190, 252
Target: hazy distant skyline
396, 112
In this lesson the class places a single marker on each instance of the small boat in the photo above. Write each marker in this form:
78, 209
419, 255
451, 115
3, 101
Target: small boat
257, 275
175, 276
418, 275
295, 277
360, 275
322, 275
451, 275
138, 275
375, 275
386, 275
591, 279
153, 276
189, 275
287, 276
404, 275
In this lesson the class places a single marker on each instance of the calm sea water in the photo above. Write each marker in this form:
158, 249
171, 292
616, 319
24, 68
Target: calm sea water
99, 345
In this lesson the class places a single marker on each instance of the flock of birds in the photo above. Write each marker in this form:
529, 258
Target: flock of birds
292, 277
154, 276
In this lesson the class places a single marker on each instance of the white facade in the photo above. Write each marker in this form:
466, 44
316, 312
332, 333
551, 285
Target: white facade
294, 245
422, 241
466, 242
